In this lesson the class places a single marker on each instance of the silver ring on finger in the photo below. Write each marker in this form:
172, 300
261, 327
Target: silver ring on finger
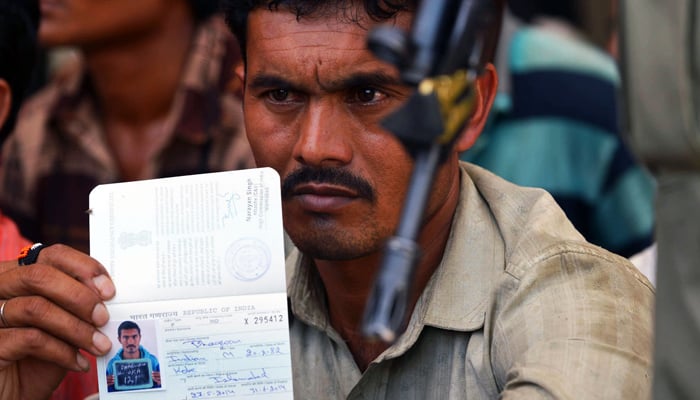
2, 315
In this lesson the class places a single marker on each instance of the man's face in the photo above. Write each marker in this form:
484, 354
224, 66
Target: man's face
314, 98
91, 22
130, 340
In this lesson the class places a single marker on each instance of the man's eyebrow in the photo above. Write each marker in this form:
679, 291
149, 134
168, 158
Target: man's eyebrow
362, 79
357, 80
271, 81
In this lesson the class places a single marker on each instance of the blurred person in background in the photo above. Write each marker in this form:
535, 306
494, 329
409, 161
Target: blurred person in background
18, 53
658, 48
149, 96
557, 128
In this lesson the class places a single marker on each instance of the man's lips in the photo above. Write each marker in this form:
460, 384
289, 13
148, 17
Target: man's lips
323, 198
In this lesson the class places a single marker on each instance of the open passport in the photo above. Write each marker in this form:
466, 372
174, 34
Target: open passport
198, 263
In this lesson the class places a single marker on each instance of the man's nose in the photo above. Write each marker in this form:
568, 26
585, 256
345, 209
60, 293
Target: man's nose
325, 135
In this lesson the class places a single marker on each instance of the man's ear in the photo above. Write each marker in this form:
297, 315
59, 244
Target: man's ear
5, 101
239, 70
486, 85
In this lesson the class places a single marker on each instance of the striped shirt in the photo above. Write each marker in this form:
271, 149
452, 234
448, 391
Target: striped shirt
58, 152
558, 130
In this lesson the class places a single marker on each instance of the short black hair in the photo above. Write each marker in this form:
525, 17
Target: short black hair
527, 10
203, 9
236, 11
127, 325
18, 52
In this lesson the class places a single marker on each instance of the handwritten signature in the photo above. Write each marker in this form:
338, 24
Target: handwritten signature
230, 205
233, 377
222, 344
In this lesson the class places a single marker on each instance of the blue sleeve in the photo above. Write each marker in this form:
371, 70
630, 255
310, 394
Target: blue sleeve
154, 361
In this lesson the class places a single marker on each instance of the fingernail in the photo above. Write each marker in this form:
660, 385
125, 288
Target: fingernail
104, 285
100, 315
101, 342
82, 362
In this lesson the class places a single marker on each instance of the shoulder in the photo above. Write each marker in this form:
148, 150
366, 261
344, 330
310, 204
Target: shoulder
538, 49
40, 107
150, 356
573, 298
110, 363
533, 226
519, 212
33, 144
538, 238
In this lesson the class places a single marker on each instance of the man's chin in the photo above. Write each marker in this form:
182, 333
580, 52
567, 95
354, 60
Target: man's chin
329, 249
333, 238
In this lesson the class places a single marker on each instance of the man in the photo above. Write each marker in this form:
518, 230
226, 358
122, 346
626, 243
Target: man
129, 334
508, 299
149, 96
114, 92
659, 75
18, 50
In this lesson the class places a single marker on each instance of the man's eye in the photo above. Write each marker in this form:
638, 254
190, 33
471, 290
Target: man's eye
279, 95
368, 95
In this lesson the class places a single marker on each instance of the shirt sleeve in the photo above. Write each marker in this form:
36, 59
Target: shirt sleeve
575, 324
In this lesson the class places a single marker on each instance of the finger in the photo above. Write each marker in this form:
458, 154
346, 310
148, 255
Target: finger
54, 285
28, 369
74, 263
18, 344
38, 313
7, 265
80, 266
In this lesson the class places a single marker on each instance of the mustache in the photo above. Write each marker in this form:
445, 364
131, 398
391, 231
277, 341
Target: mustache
333, 176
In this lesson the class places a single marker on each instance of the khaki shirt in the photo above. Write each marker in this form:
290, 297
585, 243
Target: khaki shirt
520, 307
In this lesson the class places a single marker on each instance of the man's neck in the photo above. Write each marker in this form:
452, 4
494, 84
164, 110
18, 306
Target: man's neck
135, 82
348, 284
134, 356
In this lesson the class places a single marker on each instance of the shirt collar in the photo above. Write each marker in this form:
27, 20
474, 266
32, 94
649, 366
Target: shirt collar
455, 297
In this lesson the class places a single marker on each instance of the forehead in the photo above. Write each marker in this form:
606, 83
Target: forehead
119, 7
130, 332
315, 46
